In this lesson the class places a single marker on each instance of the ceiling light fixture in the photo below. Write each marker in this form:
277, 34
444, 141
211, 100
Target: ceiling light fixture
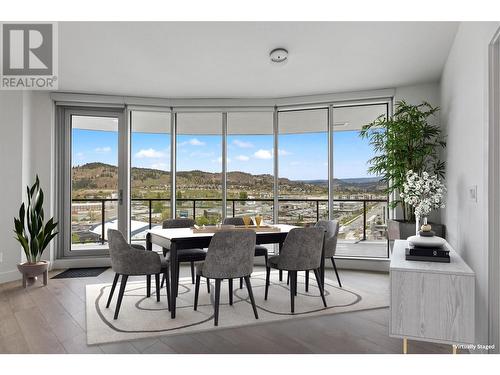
278, 55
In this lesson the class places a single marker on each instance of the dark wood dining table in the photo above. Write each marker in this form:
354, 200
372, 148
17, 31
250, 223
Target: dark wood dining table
185, 238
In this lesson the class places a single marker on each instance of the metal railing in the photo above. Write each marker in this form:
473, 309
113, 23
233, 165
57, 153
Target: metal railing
232, 201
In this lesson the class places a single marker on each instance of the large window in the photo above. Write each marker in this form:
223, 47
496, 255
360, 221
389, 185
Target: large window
150, 179
303, 166
199, 167
94, 180
250, 164
288, 165
360, 203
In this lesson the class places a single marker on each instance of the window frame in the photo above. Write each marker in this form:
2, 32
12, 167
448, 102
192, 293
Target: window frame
123, 112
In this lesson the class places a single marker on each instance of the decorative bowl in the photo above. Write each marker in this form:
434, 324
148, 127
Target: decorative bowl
421, 241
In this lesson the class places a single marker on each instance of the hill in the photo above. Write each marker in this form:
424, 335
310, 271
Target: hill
101, 176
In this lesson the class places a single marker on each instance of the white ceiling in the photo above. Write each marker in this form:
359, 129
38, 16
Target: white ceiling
224, 60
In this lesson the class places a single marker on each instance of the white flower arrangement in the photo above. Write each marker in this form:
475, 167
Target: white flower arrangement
424, 192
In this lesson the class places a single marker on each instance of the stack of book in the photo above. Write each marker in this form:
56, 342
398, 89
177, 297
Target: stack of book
428, 254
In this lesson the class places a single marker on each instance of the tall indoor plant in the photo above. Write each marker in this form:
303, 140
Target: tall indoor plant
405, 141
33, 234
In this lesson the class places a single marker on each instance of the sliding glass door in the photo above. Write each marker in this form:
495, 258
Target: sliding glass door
94, 184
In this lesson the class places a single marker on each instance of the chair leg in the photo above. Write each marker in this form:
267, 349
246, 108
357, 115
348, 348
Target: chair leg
192, 272
157, 283
250, 294
307, 281
120, 295
162, 281
115, 281
288, 278
268, 273
295, 281
292, 291
208, 286
217, 300
230, 281
241, 282
196, 291
166, 277
336, 272
178, 276
148, 286
320, 285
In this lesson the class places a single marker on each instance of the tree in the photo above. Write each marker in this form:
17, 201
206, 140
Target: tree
406, 141
165, 214
157, 207
202, 220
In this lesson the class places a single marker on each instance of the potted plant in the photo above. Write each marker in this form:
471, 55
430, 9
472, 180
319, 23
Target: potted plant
405, 142
33, 235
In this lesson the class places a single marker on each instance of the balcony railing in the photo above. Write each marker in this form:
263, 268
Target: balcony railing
349, 215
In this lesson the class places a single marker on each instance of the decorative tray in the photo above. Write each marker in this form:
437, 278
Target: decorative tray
218, 228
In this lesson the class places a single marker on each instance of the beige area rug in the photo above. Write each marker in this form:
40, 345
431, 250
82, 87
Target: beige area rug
142, 317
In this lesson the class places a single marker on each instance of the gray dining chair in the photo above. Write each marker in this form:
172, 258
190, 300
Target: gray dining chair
127, 260
331, 228
229, 256
185, 255
301, 251
260, 250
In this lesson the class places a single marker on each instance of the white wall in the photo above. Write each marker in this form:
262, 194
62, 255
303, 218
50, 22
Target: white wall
25, 149
11, 172
416, 94
464, 116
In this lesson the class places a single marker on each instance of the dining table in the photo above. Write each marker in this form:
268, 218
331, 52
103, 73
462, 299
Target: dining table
175, 239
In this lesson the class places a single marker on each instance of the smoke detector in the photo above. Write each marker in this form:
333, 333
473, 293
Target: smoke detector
278, 55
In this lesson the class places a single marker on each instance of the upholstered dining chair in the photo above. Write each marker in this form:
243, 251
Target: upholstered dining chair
229, 256
127, 260
331, 228
185, 255
260, 250
301, 251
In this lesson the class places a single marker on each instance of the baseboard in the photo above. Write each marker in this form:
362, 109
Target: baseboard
374, 264
380, 265
81, 263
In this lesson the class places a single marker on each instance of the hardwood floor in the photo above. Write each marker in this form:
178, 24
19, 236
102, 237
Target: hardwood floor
51, 319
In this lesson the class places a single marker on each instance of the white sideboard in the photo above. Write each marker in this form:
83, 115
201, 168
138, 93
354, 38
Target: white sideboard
431, 301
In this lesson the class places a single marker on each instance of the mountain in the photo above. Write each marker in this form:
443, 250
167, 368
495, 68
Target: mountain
101, 176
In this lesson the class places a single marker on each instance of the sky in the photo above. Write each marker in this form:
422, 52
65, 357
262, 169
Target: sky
301, 156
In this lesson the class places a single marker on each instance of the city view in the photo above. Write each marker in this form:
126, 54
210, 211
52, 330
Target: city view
92, 182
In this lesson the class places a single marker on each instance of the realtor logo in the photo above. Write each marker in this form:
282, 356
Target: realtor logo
29, 60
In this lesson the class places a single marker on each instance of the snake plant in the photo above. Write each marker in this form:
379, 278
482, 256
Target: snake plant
33, 235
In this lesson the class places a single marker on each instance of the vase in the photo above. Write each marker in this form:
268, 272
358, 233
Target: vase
31, 271
426, 227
